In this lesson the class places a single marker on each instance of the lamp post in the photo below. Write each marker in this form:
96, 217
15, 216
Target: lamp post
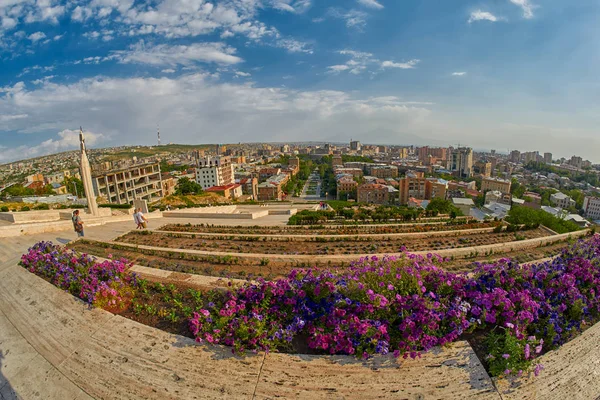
75, 186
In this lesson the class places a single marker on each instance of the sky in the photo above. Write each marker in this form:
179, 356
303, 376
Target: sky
489, 74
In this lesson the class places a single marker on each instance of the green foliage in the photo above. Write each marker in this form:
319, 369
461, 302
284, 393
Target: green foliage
308, 217
186, 186
71, 183
528, 216
507, 353
440, 206
120, 206
41, 206
348, 158
4, 209
18, 191
516, 189
165, 167
25, 208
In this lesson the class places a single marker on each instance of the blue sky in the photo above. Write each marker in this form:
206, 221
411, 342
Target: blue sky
500, 74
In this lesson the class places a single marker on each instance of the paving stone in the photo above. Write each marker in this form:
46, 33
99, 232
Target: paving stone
570, 372
450, 373
53, 321
15, 351
40, 380
133, 361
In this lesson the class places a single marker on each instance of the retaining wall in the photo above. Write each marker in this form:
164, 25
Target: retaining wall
194, 212
23, 217
317, 259
64, 225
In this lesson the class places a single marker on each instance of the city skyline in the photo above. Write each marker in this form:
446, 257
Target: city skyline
509, 74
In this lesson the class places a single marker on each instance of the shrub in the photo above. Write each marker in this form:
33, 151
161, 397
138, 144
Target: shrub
116, 206
25, 208
4, 209
41, 206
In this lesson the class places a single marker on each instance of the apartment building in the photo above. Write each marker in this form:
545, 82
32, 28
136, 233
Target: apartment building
461, 162
346, 188
214, 171
384, 171
483, 168
269, 191
562, 200
373, 193
336, 160
123, 185
591, 207
421, 188
501, 185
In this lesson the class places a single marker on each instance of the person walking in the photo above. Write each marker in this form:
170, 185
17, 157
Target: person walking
143, 221
77, 223
136, 219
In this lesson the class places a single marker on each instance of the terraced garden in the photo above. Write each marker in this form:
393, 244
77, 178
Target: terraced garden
324, 245
330, 229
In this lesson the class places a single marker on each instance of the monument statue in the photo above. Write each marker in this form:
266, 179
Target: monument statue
86, 177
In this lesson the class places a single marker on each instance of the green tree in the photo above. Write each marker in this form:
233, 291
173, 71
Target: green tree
186, 186
18, 190
71, 183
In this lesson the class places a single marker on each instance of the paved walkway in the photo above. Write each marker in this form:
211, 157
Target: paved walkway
53, 347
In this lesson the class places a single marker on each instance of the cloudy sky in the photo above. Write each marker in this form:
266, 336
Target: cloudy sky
500, 74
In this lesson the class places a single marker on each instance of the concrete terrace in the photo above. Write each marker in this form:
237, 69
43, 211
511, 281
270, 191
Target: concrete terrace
53, 347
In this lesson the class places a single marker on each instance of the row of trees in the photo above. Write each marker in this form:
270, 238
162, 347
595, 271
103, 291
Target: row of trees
528, 216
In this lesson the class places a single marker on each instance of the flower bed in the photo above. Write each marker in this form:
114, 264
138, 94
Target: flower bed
377, 306
331, 245
105, 284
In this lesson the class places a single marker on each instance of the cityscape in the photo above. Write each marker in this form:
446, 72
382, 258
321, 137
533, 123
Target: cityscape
299, 199
388, 175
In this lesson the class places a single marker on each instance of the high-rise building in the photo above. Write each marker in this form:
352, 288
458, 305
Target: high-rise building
576, 161
515, 156
530, 156
548, 158
214, 171
355, 145
461, 162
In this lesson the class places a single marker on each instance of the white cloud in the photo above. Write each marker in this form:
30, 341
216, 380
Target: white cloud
34, 37
241, 73
168, 71
66, 139
8, 23
361, 61
338, 68
354, 18
371, 4
164, 54
407, 65
193, 107
526, 6
294, 46
459, 73
482, 16
295, 6
5, 118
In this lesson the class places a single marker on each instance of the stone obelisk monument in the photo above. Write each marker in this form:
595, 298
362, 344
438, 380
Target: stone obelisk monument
86, 177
